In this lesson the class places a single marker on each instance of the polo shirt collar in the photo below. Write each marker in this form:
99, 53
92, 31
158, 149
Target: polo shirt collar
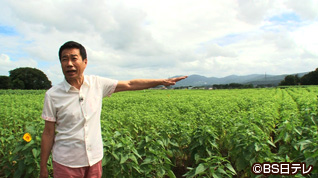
67, 86
86, 81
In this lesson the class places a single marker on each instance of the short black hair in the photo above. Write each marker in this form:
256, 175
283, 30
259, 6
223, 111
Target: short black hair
73, 44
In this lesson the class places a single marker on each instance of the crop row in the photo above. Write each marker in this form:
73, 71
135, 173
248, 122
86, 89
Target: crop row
175, 133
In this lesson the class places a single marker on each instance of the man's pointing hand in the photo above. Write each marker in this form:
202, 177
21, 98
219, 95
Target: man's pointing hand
172, 81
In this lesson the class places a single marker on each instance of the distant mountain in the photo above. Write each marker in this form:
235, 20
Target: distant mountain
255, 79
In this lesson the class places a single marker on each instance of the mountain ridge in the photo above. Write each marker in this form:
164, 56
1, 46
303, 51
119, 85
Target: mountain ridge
196, 80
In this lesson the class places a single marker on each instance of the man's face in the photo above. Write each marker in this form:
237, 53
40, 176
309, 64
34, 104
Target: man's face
72, 64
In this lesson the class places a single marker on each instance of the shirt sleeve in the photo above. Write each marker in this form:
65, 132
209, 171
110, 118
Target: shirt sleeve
49, 111
108, 85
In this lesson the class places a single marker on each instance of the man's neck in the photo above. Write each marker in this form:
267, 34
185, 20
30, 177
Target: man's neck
77, 83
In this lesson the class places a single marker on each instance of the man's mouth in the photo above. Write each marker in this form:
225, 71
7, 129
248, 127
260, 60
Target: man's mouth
71, 71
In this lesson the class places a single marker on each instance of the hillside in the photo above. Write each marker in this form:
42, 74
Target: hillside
255, 79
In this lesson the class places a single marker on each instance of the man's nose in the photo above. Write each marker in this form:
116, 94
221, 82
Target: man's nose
69, 63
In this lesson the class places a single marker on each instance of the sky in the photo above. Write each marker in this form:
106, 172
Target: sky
128, 39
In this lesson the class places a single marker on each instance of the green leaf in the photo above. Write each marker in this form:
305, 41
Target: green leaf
220, 170
123, 158
30, 129
214, 175
133, 158
190, 173
30, 169
115, 155
174, 144
271, 143
286, 138
147, 161
35, 152
137, 168
229, 166
304, 144
297, 131
10, 138
147, 139
28, 145
171, 174
104, 162
18, 148
312, 119
161, 172
200, 169
136, 152
257, 147
160, 143
197, 157
119, 145
117, 134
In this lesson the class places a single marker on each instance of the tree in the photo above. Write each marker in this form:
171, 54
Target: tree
29, 78
290, 80
310, 79
5, 82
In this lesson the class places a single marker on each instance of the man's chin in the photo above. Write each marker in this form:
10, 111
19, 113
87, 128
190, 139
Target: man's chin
71, 77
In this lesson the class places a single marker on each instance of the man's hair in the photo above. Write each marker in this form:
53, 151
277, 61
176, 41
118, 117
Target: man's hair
73, 44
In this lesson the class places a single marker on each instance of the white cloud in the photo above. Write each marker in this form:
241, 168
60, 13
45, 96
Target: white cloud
6, 64
54, 73
253, 11
216, 50
5, 59
307, 9
153, 39
306, 37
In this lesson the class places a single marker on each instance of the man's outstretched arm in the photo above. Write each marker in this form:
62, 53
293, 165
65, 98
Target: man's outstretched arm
140, 84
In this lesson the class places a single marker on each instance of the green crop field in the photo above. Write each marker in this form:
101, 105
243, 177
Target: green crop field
175, 133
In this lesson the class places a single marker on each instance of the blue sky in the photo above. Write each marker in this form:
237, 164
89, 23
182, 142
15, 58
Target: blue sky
7, 31
285, 18
159, 39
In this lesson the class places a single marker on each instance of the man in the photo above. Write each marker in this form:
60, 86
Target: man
72, 116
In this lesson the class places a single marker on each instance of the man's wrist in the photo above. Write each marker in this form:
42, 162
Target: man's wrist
162, 81
43, 164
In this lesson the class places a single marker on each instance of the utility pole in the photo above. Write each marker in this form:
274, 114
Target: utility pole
265, 76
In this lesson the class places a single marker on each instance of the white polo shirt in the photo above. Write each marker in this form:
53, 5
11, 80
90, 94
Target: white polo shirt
78, 139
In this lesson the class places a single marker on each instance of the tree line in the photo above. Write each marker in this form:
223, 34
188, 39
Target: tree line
309, 79
25, 78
